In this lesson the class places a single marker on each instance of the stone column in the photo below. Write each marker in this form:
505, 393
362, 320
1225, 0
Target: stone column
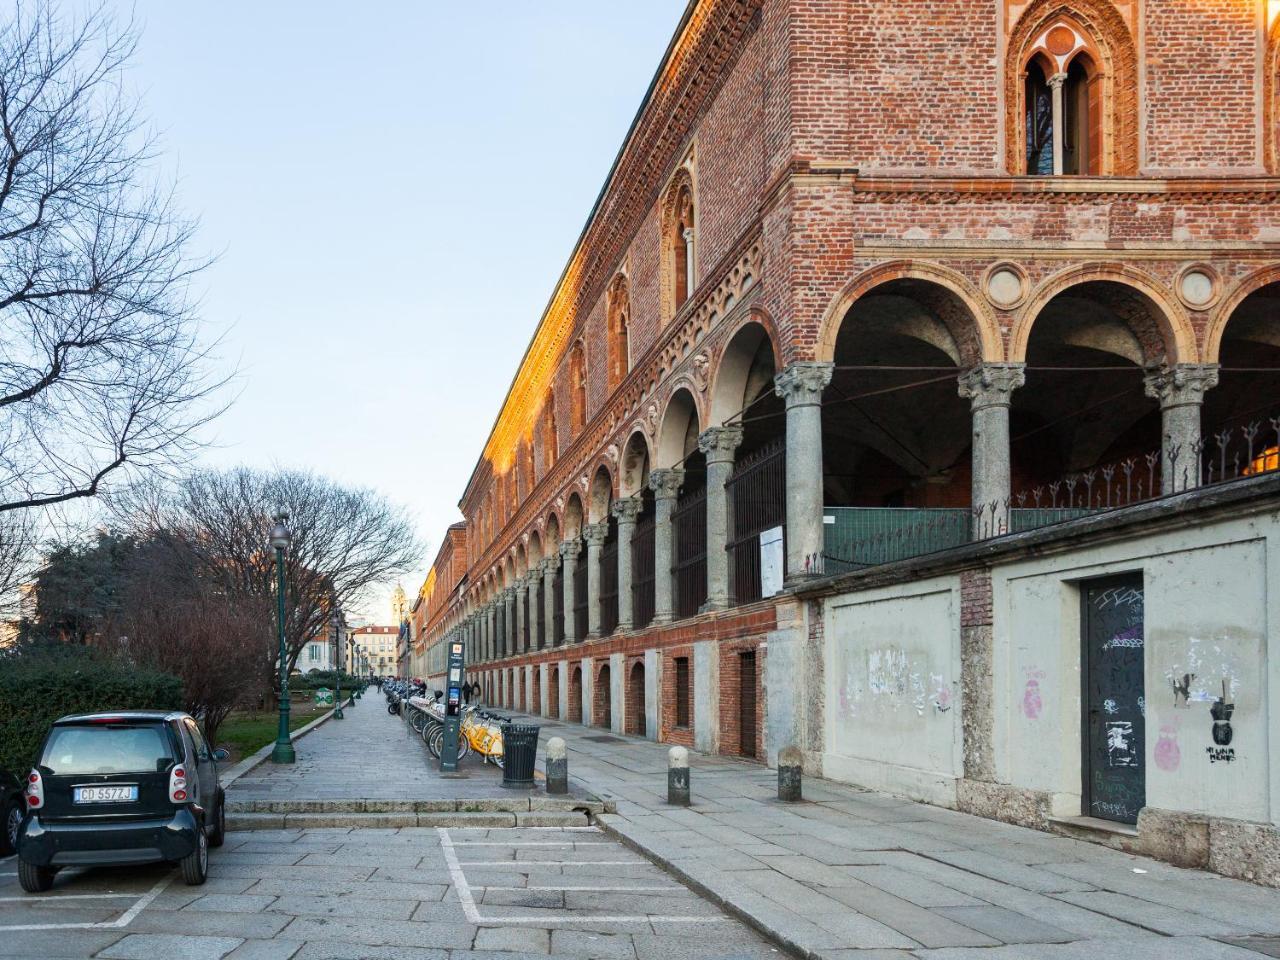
626, 511
569, 552
800, 385
1180, 389
510, 608
549, 566
522, 635
492, 627
719, 444
989, 388
595, 534
1059, 124
665, 485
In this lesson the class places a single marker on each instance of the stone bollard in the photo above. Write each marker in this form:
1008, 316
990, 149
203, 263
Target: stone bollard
557, 766
678, 777
790, 763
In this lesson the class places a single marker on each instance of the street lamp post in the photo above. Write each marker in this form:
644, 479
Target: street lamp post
351, 646
337, 656
283, 751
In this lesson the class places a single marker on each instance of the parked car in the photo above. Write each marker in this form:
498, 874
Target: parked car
13, 806
121, 788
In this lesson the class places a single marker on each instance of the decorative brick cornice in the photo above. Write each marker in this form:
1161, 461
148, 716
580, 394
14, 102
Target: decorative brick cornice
699, 58
1039, 190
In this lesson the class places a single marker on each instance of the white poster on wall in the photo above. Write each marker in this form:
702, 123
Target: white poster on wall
772, 561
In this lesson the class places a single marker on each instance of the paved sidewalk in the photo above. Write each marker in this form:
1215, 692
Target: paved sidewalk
852, 873
368, 755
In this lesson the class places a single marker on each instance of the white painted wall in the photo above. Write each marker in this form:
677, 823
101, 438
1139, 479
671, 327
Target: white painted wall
652, 693
893, 672
1207, 612
706, 696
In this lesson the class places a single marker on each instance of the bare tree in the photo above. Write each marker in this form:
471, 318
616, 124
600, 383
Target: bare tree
101, 367
345, 541
175, 619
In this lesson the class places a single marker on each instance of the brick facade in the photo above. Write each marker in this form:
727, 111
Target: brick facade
833, 149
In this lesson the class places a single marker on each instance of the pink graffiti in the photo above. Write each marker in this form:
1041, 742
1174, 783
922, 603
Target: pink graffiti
944, 698
1032, 705
1168, 754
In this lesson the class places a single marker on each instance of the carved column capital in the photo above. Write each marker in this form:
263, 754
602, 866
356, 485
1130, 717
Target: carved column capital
627, 509
549, 565
665, 484
992, 384
719, 443
1180, 384
571, 549
596, 533
801, 383
1056, 81
521, 587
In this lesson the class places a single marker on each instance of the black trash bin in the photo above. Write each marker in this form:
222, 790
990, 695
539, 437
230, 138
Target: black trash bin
519, 752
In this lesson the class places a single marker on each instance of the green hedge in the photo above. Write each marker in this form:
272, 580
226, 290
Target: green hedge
321, 678
37, 688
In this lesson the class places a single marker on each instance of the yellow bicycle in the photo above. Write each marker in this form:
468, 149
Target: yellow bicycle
484, 736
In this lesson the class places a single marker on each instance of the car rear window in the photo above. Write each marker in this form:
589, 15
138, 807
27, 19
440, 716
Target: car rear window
106, 749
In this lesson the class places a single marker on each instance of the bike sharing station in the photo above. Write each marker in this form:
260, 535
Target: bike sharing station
455, 731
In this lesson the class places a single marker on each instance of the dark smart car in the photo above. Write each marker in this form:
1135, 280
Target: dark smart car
121, 788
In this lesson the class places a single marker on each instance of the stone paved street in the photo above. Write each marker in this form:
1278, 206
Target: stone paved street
851, 873
368, 755
412, 893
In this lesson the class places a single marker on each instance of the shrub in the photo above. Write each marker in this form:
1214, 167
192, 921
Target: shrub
39, 686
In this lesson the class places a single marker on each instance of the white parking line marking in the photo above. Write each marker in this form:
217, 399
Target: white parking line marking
473, 915
71, 896
459, 879
533, 843
553, 863
595, 889
123, 920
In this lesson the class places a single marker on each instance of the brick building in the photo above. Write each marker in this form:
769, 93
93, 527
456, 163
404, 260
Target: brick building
906, 344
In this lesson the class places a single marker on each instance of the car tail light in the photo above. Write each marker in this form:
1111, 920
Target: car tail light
35, 790
178, 785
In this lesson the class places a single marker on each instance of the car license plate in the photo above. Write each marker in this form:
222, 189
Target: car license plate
115, 793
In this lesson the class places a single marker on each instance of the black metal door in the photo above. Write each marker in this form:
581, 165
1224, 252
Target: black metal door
1114, 738
747, 703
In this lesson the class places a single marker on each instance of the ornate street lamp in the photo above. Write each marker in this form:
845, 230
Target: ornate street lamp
337, 656
283, 752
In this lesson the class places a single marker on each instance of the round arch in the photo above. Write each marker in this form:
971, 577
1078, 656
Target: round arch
984, 341
571, 528
734, 369
522, 560
1174, 326
1231, 302
534, 552
680, 420
600, 495
633, 467
552, 532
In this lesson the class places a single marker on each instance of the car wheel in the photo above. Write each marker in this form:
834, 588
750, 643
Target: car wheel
195, 865
12, 823
35, 879
219, 833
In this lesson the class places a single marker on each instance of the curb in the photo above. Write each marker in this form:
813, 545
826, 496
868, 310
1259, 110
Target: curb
256, 759
749, 917
314, 821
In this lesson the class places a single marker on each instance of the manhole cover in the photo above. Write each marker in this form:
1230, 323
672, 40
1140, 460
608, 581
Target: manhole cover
604, 738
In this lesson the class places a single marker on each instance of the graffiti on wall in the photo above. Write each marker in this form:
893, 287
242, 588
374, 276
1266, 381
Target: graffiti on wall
1168, 752
1032, 702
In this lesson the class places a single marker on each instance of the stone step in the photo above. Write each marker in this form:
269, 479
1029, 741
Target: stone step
514, 804
456, 818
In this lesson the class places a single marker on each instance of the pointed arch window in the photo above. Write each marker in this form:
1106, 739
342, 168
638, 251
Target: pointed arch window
578, 387
1071, 91
618, 307
550, 435
679, 244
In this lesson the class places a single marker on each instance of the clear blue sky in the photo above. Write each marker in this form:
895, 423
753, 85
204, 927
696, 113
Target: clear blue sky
394, 188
